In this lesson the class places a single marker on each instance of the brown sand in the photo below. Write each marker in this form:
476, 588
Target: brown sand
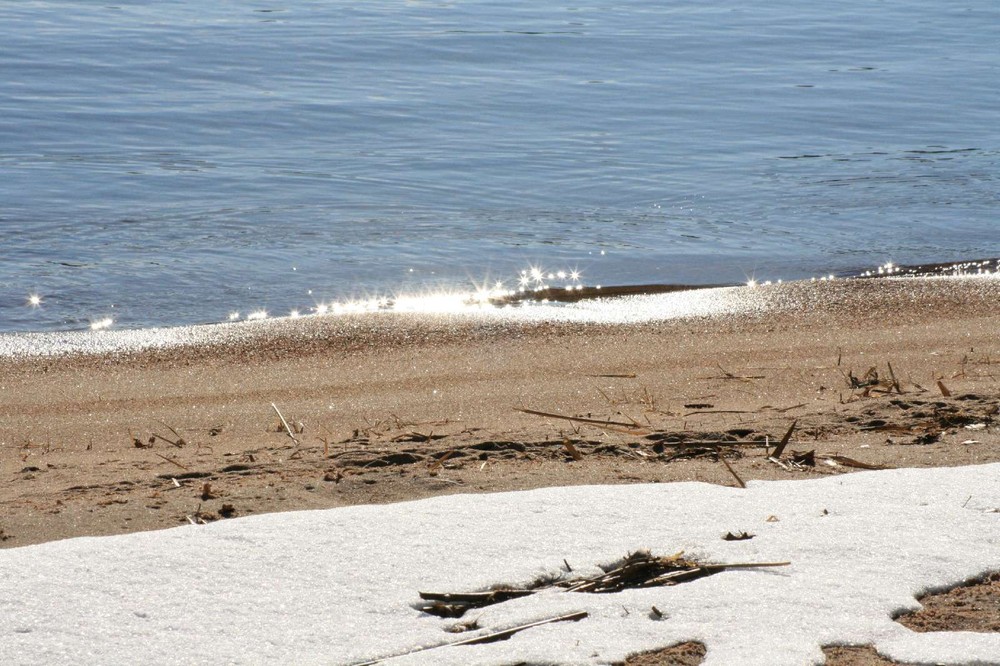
388, 407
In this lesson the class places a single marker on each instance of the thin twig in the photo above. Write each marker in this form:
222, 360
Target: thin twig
780, 448
170, 460
785, 409
621, 376
728, 375
578, 419
507, 633
180, 440
714, 442
177, 444
487, 638
731, 470
892, 376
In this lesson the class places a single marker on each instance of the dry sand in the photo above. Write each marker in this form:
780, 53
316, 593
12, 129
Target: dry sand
393, 407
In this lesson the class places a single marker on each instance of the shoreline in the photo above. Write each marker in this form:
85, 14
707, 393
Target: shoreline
390, 407
533, 302
635, 307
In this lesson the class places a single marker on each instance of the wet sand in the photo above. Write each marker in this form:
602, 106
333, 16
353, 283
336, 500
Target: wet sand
392, 407
153, 433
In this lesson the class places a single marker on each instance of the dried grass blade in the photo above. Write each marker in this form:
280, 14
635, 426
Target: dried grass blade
437, 464
572, 450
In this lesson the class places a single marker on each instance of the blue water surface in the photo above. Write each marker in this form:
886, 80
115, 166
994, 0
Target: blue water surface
167, 162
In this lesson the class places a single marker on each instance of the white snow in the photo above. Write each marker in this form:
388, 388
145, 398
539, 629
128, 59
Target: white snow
341, 586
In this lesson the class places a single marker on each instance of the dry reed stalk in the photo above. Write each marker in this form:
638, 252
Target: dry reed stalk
285, 423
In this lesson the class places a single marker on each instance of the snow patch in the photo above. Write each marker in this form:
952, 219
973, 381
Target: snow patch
341, 586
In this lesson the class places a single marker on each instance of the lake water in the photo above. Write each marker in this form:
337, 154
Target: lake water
170, 162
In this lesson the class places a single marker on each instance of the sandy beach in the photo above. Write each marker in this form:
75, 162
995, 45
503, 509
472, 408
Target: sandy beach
330, 411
